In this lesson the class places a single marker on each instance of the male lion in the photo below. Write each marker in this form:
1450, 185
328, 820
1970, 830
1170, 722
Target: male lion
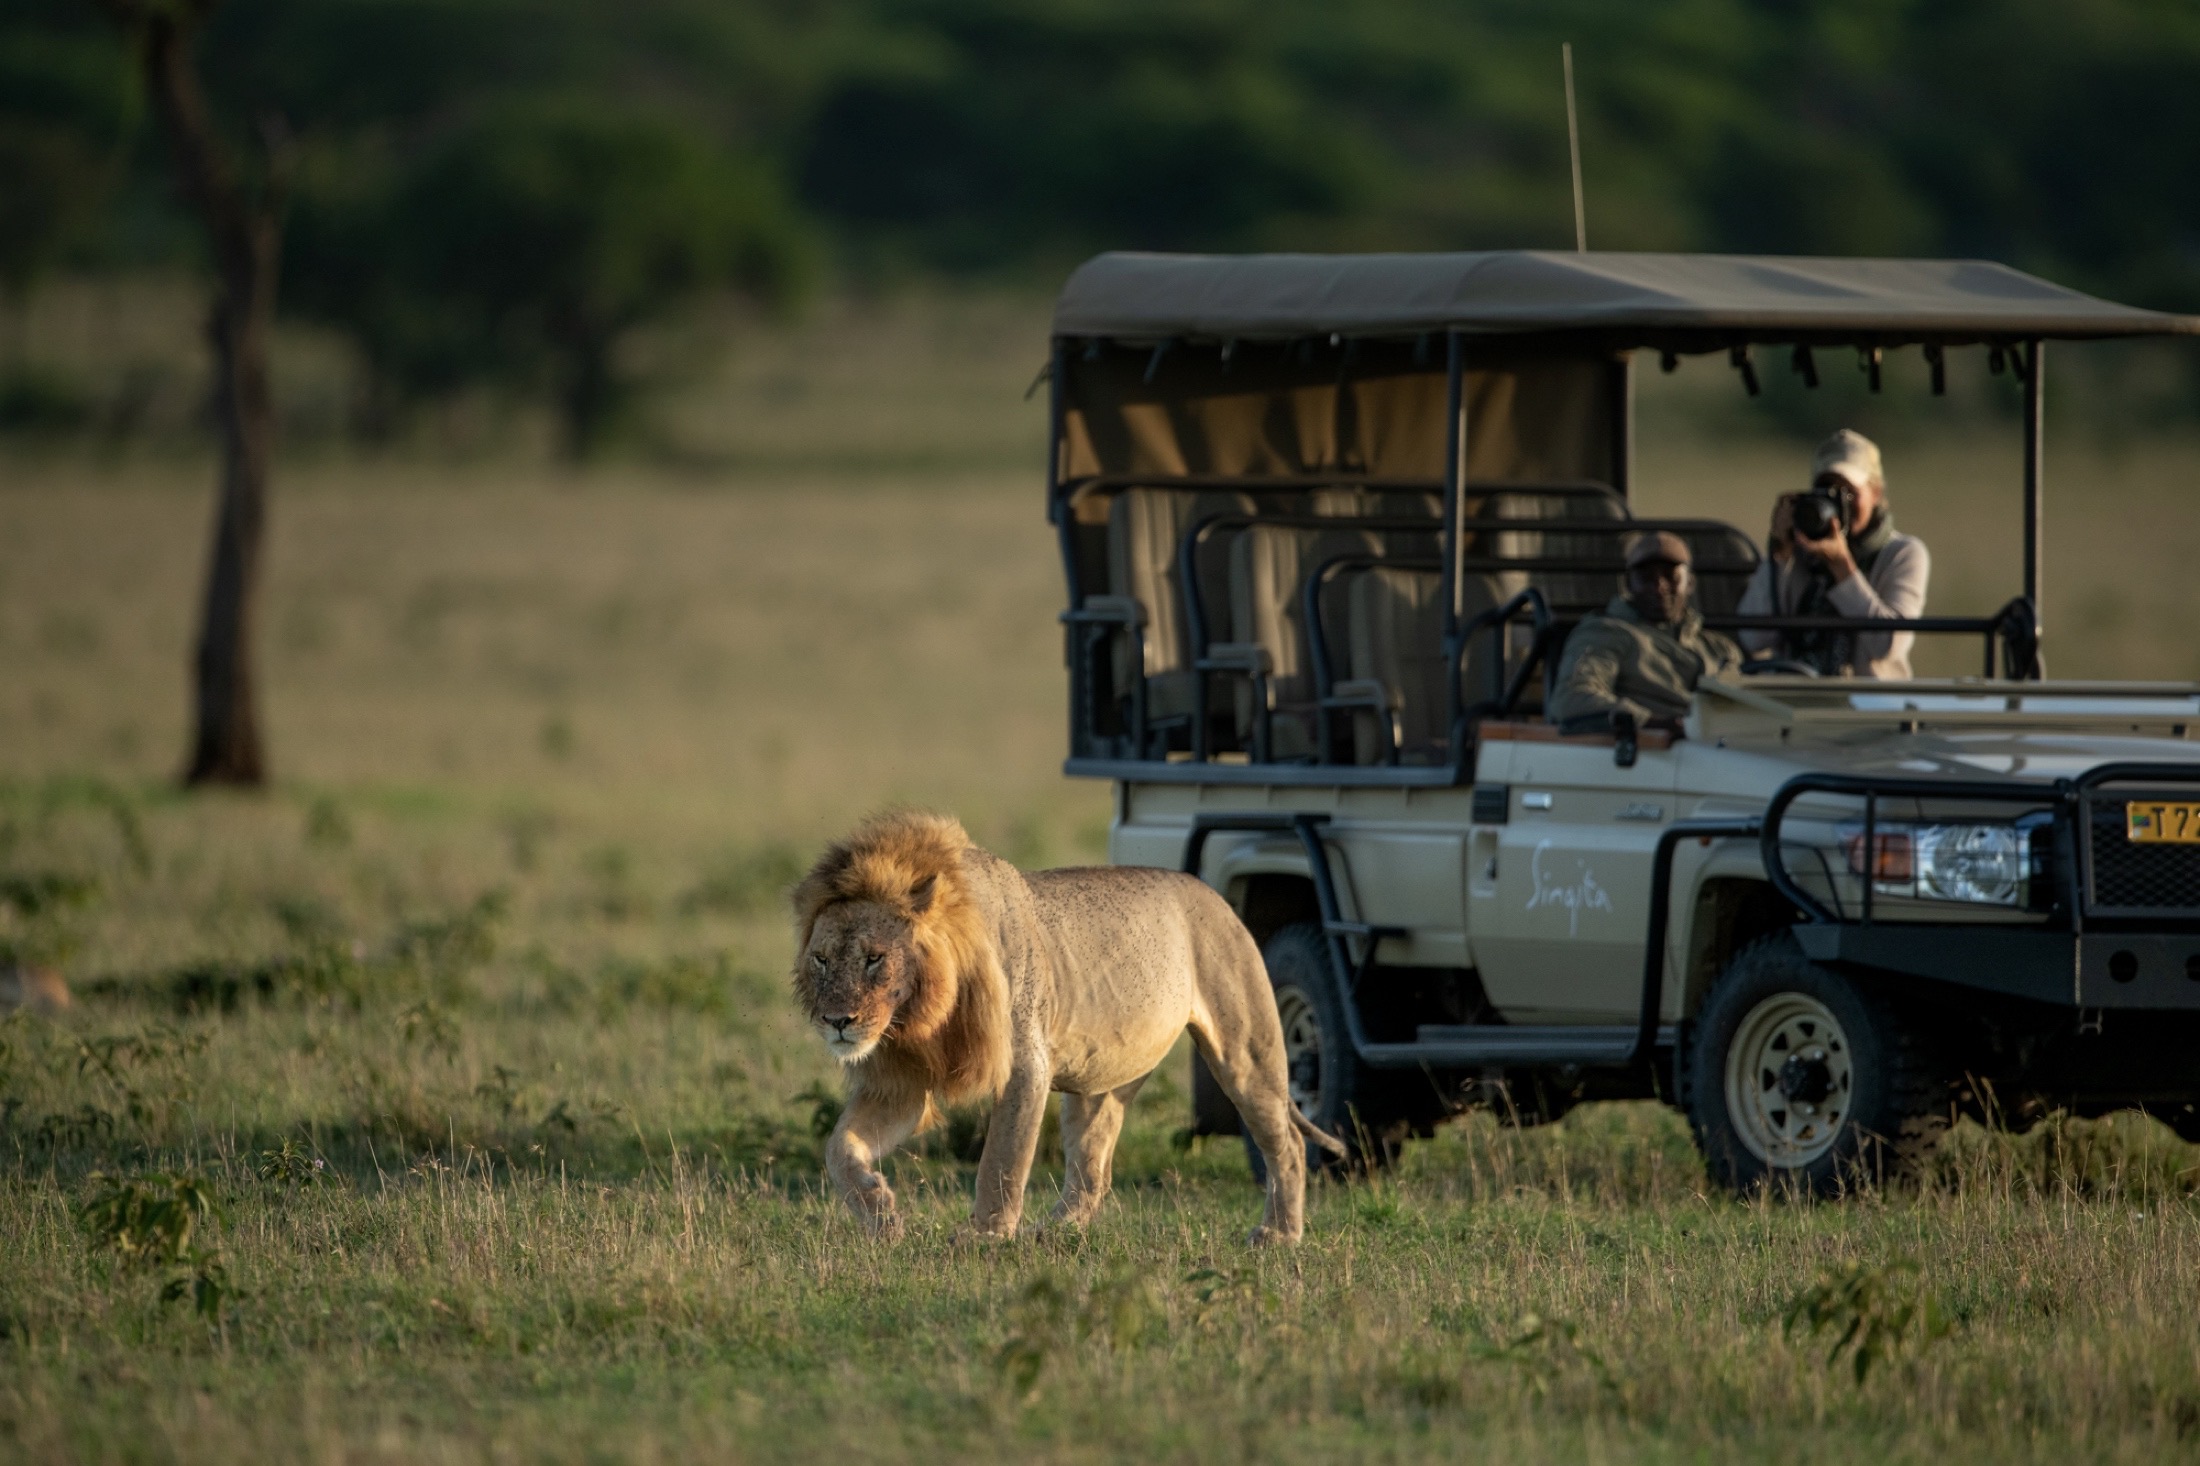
936, 972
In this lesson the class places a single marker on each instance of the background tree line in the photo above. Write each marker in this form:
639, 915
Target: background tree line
495, 192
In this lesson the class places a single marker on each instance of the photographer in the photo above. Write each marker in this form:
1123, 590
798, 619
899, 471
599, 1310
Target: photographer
1834, 552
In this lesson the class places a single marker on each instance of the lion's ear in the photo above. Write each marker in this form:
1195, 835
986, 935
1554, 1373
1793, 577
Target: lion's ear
920, 894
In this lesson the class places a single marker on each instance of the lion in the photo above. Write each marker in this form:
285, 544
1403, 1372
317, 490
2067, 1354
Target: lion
938, 974
40, 989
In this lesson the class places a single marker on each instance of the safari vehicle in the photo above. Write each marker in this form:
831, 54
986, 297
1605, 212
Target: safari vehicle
1326, 523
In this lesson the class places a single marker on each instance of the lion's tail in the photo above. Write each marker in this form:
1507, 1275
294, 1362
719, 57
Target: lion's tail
1320, 1137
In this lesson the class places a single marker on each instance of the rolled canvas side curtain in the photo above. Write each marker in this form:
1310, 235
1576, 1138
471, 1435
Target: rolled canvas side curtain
1538, 420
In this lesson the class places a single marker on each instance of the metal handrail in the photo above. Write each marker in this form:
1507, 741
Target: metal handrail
2014, 629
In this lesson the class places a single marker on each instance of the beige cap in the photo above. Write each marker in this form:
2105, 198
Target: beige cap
1851, 455
1662, 545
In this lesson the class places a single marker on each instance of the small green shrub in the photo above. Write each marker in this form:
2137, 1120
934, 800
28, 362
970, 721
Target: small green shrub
1543, 1349
825, 1105
1052, 1315
32, 894
430, 1026
685, 983
328, 827
291, 1164
446, 950
1872, 1313
37, 906
156, 1222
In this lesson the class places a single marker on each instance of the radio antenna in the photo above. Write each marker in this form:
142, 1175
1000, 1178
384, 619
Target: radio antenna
1573, 146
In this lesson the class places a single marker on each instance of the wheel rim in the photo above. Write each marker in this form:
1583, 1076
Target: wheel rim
1790, 1080
1302, 1049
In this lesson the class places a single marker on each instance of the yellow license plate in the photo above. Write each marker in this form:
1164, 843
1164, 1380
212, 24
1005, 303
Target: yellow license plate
2152, 822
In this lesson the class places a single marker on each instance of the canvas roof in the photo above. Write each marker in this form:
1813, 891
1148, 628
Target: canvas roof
1679, 301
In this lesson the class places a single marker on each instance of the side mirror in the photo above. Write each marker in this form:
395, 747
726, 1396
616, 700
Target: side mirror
1624, 746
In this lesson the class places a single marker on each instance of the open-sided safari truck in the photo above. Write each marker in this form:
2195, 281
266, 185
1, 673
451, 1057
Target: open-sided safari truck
1326, 523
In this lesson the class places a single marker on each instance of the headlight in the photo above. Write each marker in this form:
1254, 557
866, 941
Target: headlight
1970, 863
1987, 864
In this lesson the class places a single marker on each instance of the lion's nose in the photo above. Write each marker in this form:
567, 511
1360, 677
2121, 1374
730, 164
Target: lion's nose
840, 1025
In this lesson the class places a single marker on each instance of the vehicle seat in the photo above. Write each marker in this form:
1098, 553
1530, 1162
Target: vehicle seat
1394, 658
1144, 528
1508, 543
1268, 569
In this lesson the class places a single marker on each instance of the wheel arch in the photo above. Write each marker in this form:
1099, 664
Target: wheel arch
1727, 914
1271, 898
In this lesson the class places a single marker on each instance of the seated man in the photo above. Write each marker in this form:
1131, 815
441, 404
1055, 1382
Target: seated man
1645, 654
1858, 567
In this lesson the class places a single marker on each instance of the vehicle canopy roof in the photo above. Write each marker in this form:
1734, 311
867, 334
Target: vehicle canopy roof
1335, 365
1679, 302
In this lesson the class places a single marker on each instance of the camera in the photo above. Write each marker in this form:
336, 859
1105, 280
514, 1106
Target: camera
1830, 502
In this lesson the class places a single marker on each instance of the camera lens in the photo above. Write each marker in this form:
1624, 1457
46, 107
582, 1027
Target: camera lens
1815, 516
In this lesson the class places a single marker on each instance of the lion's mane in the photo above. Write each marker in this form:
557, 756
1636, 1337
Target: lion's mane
951, 1037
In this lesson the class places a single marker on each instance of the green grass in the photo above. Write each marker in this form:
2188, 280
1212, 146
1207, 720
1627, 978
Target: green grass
515, 1151
525, 1211
502, 949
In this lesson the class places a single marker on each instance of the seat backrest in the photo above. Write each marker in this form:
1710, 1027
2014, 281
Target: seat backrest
1394, 628
1144, 528
1725, 560
1265, 564
1525, 506
1268, 569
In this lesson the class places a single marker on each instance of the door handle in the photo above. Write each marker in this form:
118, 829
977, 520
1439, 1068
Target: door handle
1482, 863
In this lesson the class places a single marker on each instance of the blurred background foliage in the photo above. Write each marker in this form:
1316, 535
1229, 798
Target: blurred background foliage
499, 193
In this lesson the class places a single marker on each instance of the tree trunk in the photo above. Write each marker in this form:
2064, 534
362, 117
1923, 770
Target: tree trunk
246, 237
589, 395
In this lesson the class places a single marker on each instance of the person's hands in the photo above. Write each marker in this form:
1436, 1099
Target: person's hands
1831, 553
1780, 543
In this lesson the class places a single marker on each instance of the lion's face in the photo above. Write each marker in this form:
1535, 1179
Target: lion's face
854, 975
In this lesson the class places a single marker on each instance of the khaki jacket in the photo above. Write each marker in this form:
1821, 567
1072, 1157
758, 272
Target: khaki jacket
1619, 662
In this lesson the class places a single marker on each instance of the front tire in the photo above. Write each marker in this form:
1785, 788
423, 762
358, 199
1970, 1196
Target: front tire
1329, 1085
1800, 1078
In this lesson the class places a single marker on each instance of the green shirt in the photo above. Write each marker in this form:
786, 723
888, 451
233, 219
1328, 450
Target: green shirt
1618, 661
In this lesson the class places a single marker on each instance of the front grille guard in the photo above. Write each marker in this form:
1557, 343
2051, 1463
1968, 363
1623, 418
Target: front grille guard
2075, 805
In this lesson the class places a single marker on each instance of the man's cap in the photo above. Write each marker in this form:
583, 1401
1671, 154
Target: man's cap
1661, 545
1850, 455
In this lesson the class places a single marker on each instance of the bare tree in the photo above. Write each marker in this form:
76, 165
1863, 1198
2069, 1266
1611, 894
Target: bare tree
243, 227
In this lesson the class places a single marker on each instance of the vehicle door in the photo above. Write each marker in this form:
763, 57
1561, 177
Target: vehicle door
1558, 893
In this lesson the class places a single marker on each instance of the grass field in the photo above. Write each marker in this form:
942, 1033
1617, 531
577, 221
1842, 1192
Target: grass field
473, 1028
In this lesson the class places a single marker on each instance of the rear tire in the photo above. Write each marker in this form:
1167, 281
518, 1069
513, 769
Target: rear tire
1799, 1078
1329, 1085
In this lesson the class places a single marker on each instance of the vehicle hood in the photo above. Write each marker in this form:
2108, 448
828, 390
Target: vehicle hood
2031, 732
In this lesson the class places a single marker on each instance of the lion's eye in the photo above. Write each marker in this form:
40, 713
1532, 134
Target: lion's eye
817, 960
870, 963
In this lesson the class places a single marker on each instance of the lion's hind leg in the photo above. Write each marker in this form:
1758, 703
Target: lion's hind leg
1250, 1071
1091, 1125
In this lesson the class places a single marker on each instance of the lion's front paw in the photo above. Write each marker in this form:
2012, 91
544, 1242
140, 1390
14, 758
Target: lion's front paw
1267, 1236
872, 1200
1068, 1221
976, 1234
